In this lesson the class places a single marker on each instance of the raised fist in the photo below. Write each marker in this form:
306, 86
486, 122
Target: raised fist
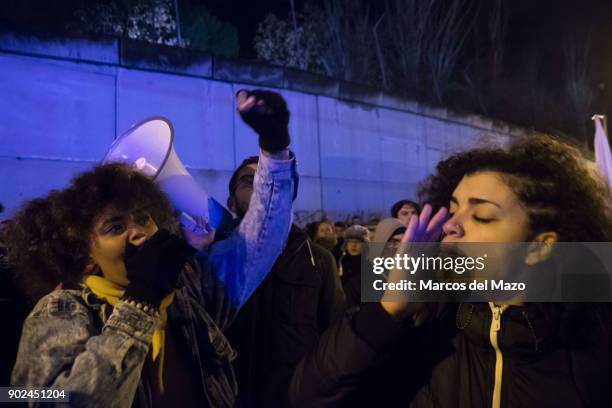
267, 114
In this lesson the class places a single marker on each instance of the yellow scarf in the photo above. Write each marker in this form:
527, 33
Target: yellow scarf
111, 293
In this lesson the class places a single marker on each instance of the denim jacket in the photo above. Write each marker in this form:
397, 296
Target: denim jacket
77, 342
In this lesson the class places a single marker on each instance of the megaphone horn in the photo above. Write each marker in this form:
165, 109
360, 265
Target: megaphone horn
148, 146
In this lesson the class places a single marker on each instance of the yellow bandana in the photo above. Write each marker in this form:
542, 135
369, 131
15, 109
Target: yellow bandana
111, 293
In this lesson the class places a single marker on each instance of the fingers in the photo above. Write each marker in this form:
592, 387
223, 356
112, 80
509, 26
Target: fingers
245, 101
242, 95
424, 221
265, 102
434, 229
263, 108
409, 235
425, 214
201, 222
411, 230
202, 226
424, 228
245, 104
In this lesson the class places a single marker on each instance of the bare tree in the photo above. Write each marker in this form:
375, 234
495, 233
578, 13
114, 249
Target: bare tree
578, 84
450, 23
498, 24
425, 39
405, 26
379, 54
178, 22
350, 53
483, 74
412, 46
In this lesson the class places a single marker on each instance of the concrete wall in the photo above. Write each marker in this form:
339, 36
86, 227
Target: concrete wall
64, 101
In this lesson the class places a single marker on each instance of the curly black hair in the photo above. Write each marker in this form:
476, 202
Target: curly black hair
549, 177
49, 239
561, 194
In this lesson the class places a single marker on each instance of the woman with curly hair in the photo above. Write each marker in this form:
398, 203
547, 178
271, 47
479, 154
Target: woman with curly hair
137, 316
512, 354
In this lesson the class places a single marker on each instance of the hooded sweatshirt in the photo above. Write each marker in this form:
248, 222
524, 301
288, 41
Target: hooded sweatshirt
385, 230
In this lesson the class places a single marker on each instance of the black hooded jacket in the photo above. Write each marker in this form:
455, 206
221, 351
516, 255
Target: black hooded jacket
283, 320
461, 358
351, 279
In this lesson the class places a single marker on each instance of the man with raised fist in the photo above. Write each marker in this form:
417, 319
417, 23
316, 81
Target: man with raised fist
300, 297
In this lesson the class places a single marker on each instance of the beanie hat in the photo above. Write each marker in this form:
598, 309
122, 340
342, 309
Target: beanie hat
357, 232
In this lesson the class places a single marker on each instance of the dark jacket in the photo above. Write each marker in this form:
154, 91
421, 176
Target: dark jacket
351, 278
14, 308
368, 359
283, 320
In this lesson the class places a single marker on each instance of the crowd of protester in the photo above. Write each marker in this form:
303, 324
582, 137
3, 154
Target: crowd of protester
126, 307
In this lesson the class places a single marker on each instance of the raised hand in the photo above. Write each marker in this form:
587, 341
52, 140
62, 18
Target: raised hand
422, 228
267, 114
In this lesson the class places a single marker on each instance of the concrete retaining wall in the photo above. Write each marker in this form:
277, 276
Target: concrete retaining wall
65, 100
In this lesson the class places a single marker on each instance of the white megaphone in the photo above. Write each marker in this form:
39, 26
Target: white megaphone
148, 146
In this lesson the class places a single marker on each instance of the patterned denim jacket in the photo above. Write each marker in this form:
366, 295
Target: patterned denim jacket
76, 342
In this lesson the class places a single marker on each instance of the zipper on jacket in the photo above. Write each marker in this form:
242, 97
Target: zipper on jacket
499, 359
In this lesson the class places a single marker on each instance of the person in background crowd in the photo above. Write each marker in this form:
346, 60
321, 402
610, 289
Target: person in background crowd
371, 226
355, 246
403, 210
388, 232
398, 353
298, 300
339, 228
137, 318
322, 233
